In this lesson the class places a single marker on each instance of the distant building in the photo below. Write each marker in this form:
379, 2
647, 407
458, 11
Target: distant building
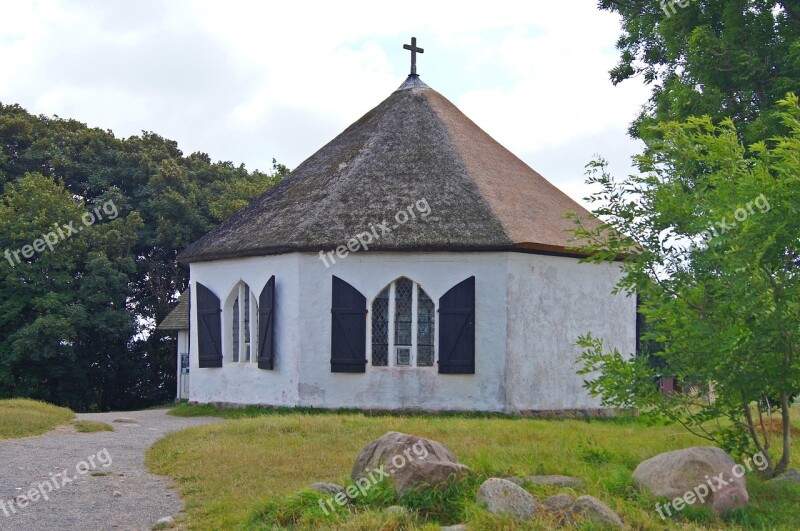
178, 321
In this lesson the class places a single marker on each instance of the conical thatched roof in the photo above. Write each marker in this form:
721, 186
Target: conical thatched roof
414, 146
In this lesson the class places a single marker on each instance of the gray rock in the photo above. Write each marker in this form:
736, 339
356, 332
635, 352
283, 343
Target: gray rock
459, 527
792, 475
410, 461
556, 481
167, 520
396, 509
116, 494
549, 481
686, 473
560, 503
125, 420
591, 509
331, 489
500, 496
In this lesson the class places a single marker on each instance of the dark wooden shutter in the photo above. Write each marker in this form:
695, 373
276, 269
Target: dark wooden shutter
457, 329
266, 326
209, 333
348, 328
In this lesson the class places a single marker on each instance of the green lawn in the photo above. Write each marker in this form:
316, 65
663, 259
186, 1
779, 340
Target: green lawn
21, 417
245, 473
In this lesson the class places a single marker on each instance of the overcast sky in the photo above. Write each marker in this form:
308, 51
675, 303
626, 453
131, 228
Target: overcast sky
247, 81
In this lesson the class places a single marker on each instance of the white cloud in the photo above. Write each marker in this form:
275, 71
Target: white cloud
250, 80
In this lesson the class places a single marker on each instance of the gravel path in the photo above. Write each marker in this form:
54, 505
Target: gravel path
114, 490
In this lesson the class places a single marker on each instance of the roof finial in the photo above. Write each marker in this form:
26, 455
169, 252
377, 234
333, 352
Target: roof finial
414, 52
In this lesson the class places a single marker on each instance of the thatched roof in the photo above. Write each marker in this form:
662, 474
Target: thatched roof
178, 318
414, 146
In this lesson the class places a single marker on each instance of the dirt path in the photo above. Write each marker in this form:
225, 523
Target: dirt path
105, 486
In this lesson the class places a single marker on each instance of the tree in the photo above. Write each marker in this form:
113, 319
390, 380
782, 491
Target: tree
76, 322
708, 236
722, 58
64, 320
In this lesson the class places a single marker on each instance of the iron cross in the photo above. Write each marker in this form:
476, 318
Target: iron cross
414, 52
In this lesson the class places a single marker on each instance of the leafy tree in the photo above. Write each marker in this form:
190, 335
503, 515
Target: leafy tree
722, 58
76, 322
708, 233
64, 318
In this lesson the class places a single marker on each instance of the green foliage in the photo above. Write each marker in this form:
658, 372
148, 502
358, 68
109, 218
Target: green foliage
75, 319
310, 509
448, 505
709, 235
592, 453
299, 510
721, 58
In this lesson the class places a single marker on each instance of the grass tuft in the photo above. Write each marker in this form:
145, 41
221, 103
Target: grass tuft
20, 417
91, 426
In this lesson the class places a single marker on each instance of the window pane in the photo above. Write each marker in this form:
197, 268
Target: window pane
426, 324
403, 356
402, 300
424, 356
380, 329
236, 329
247, 314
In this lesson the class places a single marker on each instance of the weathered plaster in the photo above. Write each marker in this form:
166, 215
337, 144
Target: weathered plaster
529, 311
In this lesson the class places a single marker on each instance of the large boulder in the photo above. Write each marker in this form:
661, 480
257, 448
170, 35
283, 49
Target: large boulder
500, 496
702, 475
409, 461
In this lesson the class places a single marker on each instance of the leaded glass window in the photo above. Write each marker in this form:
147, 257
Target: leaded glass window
426, 319
243, 325
246, 323
403, 326
235, 331
380, 329
403, 294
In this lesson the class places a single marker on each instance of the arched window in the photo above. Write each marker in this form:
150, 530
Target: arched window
403, 326
244, 326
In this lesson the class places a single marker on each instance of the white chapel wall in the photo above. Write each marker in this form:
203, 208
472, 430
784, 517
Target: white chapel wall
552, 301
529, 311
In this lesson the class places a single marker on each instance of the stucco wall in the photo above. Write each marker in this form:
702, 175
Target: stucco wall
535, 291
553, 301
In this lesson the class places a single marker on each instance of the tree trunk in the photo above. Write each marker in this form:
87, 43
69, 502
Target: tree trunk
783, 464
751, 428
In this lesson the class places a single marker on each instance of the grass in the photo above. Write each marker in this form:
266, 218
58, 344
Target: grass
91, 426
24, 418
253, 471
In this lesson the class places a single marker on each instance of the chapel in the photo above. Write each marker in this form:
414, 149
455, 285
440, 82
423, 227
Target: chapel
412, 263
